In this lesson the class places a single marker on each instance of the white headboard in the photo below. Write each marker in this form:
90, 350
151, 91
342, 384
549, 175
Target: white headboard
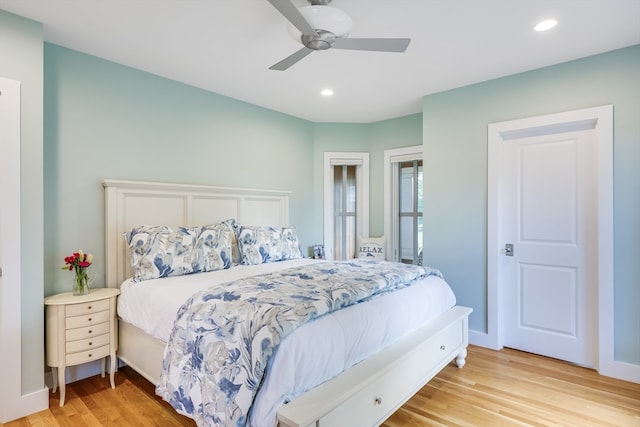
132, 203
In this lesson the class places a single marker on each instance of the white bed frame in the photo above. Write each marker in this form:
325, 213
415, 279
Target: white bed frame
364, 395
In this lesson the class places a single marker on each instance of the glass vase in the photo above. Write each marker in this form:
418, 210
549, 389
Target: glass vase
81, 284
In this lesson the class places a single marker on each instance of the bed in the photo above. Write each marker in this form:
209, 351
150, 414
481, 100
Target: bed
379, 376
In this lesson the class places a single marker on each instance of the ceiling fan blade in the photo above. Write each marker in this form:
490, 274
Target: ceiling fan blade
379, 45
291, 59
293, 15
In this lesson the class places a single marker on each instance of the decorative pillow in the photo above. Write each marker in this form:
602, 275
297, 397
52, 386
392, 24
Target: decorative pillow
291, 244
259, 244
212, 248
159, 251
234, 229
372, 247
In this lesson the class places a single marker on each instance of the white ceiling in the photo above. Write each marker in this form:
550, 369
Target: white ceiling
226, 46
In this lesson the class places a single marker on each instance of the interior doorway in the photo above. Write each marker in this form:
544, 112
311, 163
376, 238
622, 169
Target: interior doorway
550, 234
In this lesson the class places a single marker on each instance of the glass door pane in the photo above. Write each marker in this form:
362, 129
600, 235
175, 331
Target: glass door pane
410, 211
345, 202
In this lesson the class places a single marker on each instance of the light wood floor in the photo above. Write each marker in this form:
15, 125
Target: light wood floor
506, 388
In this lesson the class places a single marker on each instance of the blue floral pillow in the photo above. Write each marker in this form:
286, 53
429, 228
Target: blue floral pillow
159, 251
212, 248
262, 244
234, 229
291, 244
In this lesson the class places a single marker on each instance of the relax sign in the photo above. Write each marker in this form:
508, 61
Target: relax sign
372, 247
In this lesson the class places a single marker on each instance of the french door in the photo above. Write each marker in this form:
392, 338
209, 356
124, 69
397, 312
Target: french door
346, 203
403, 219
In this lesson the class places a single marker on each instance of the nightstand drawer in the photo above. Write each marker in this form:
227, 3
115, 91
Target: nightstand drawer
87, 307
86, 320
87, 344
87, 356
86, 332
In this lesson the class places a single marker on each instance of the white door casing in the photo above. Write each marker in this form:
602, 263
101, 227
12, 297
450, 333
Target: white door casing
601, 119
14, 402
10, 392
392, 158
549, 277
361, 161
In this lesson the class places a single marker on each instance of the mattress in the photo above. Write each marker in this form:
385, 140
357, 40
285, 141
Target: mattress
313, 353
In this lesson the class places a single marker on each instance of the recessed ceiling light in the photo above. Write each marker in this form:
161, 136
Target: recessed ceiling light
326, 92
545, 25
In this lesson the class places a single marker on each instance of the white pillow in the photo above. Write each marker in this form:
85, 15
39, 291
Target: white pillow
372, 247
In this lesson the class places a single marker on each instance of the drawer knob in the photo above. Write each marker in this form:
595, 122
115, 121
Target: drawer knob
90, 331
442, 347
90, 343
89, 319
378, 401
89, 307
89, 354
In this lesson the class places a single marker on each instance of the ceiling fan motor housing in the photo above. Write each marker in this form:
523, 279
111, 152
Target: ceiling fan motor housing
323, 41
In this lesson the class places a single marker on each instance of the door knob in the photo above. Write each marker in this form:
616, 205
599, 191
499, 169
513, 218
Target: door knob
508, 249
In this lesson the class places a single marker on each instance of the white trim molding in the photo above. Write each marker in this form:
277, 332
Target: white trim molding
362, 202
600, 119
391, 159
13, 403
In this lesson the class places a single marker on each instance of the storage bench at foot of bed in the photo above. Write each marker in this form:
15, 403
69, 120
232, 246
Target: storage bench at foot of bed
369, 392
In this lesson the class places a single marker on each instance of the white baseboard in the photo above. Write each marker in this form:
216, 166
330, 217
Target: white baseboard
614, 369
622, 371
482, 339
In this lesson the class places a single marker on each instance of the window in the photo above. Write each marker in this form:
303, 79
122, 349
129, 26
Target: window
346, 203
403, 183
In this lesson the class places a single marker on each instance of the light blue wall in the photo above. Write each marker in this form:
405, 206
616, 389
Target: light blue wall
394, 133
104, 120
455, 147
373, 138
21, 59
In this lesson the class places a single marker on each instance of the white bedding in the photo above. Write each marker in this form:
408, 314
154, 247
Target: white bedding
313, 353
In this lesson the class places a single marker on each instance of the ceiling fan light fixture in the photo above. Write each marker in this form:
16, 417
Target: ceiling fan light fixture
326, 92
324, 18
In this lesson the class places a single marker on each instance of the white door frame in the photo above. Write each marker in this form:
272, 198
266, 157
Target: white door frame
13, 403
391, 158
361, 160
10, 316
601, 119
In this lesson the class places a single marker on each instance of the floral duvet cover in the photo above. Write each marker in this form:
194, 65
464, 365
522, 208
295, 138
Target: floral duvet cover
223, 337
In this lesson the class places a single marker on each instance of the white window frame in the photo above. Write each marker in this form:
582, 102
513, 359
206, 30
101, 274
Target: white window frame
392, 158
361, 160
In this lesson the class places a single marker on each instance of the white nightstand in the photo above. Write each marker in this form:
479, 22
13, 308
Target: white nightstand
81, 329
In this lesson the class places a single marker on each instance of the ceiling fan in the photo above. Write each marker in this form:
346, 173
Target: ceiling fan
313, 23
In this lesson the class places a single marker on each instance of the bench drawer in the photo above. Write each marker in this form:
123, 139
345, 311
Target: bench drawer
378, 399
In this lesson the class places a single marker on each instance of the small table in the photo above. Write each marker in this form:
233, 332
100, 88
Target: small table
80, 329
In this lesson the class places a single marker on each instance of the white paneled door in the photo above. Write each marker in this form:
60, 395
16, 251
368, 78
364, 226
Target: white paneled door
550, 265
